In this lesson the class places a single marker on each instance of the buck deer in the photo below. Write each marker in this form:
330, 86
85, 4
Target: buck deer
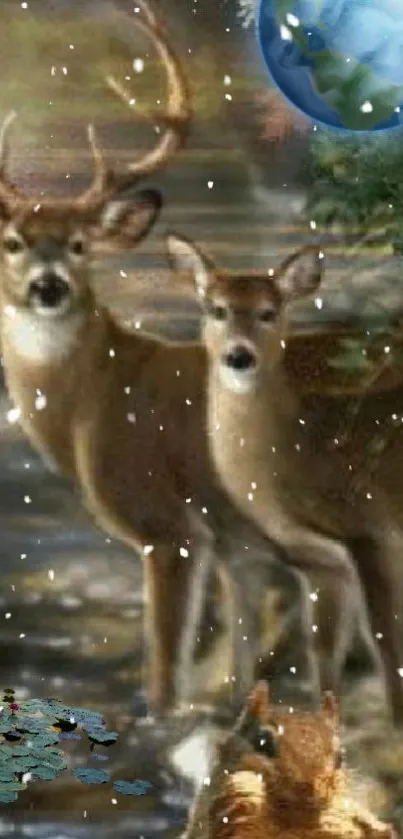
278, 451
279, 774
121, 415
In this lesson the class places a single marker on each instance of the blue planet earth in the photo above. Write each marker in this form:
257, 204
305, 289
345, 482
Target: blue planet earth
339, 61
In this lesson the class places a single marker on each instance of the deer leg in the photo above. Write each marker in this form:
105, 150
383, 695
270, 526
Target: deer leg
378, 565
243, 621
311, 551
340, 614
175, 585
295, 652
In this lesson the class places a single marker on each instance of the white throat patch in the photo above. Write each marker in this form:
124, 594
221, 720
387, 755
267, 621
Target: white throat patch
40, 339
237, 381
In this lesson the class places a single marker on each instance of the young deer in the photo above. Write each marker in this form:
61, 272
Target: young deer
278, 451
281, 774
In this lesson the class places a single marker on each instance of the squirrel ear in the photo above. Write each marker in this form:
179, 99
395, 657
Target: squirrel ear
258, 703
329, 708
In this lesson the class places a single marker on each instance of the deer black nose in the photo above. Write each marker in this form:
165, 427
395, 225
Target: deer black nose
48, 290
240, 358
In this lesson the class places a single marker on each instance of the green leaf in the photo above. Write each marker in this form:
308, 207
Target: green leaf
13, 786
100, 735
39, 741
132, 787
23, 764
6, 774
44, 773
7, 796
91, 776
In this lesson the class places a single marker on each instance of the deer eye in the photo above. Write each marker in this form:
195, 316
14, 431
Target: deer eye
265, 743
218, 312
266, 315
13, 245
77, 247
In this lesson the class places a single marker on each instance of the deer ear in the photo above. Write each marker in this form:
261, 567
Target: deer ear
124, 222
300, 274
185, 257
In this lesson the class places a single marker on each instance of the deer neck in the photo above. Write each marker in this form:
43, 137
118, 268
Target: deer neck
247, 433
242, 425
48, 366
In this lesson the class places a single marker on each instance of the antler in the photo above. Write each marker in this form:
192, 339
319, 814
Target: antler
9, 193
177, 119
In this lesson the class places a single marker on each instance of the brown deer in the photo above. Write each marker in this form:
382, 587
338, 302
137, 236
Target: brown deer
282, 454
281, 774
122, 415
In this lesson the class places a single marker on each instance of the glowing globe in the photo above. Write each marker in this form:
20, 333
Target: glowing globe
338, 61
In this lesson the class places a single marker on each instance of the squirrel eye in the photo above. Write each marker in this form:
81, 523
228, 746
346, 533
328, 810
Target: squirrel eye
219, 312
265, 743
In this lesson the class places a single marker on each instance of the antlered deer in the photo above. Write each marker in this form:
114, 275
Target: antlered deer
279, 452
122, 415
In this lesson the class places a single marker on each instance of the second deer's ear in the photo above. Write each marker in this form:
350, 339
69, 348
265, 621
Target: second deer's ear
125, 221
186, 257
300, 274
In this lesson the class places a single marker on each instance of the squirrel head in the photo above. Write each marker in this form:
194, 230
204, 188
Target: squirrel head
296, 754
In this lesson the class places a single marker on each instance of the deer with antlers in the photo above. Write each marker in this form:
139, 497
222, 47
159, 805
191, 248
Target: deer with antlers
121, 415
332, 501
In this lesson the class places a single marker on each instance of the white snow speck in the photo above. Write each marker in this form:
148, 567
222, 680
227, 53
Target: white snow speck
314, 596
285, 33
292, 20
366, 107
138, 65
227, 80
51, 574
112, 353
27, 499
210, 184
184, 552
13, 415
40, 402
318, 302
148, 549
131, 418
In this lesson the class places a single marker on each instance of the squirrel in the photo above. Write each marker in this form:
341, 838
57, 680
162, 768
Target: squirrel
281, 773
